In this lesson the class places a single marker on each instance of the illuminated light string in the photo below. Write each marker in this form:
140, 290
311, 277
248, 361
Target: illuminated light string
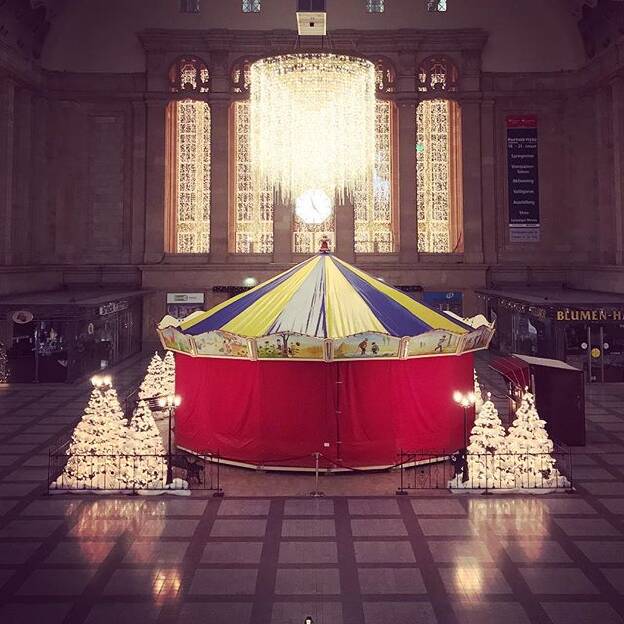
312, 124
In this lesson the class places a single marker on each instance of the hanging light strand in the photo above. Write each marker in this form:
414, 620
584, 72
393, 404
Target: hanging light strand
312, 123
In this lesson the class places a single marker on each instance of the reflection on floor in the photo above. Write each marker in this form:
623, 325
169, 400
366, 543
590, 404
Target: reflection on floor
267, 554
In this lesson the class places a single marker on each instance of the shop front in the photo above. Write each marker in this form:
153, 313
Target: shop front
583, 328
61, 336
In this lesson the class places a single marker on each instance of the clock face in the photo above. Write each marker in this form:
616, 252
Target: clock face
313, 207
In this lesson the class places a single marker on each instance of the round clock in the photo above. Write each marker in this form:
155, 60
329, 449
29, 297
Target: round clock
313, 207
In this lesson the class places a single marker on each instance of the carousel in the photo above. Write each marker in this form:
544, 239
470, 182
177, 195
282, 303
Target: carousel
322, 359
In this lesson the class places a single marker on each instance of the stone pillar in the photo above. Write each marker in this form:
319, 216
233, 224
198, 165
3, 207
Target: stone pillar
219, 179
617, 120
488, 184
41, 237
471, 166
156, 108
282, 231
345, 230
7, 139
603, 168
24, 180
408, 217
137, 219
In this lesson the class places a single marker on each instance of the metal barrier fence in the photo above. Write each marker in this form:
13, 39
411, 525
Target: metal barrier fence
506, 471
131, 473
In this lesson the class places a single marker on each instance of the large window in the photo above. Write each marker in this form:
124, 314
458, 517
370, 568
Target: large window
188, 139
253, 213
438, 161
373, 210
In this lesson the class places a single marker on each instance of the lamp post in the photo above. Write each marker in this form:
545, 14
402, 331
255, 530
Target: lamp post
102, 382
466, 401
171, 401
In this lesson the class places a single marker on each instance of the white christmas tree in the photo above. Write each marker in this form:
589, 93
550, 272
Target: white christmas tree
477, 393
97, 442
482, 459
152, 384
169, 373
526, 460
147, 467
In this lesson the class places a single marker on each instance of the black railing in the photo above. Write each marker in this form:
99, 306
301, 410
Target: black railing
131, 401
131, 473
507, 471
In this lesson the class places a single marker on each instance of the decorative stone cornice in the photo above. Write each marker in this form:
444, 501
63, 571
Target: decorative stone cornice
270, 41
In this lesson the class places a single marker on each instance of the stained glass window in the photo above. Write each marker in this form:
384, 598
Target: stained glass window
251, 6
253, 214
189, 75
375, 6
240, 76
373, 207
437, 177
192, 176
437, 73
385, 77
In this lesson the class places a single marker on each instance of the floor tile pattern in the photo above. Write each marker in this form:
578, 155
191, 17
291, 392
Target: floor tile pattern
258, 558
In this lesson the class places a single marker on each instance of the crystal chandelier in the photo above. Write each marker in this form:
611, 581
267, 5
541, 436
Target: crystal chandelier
312, 123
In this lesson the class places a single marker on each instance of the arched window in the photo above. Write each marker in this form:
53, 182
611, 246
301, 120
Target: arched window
189, 74
385, 76
188, 162
437, 73
239, 76
252, 212
438, 176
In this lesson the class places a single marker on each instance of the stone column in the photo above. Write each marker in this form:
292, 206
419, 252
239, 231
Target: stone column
155, 179
219, 178
603, 168
488, 184
7, 139
471, 166
137, 218
617, 120
408, 217
345, 230
282, 231
24, 180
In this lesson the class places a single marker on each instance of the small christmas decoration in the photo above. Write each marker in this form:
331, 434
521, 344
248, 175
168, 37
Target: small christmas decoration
477, 393
482, 459
97, 441
526, 460
169, 373
147, 468
152, 385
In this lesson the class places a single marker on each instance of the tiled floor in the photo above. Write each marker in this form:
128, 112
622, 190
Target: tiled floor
359, 555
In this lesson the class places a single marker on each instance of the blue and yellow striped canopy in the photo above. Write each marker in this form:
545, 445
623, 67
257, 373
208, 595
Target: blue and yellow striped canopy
322, 297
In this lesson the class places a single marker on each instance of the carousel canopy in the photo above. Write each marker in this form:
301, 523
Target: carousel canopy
322, 297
